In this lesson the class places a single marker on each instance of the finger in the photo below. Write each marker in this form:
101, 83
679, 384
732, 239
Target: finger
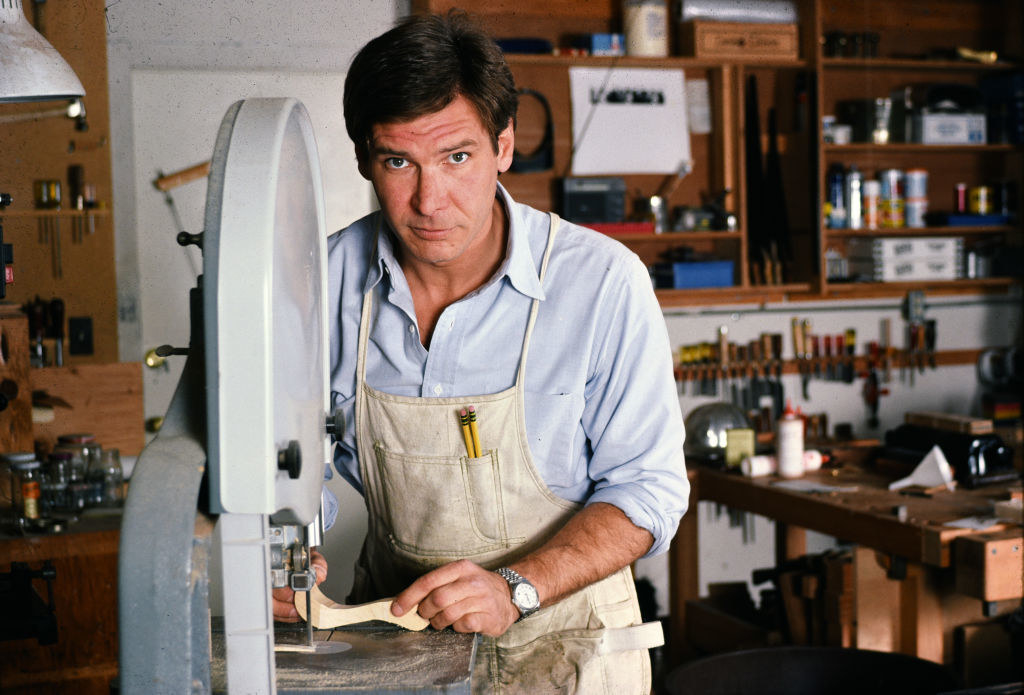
319, 564
283, 605
424, 585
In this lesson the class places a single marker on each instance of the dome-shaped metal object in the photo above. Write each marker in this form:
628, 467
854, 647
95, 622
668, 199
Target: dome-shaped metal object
706, 427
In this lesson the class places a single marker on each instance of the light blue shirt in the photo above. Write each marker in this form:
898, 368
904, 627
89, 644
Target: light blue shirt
602, 414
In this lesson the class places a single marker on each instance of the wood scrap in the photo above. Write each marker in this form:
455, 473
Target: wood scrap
327, 614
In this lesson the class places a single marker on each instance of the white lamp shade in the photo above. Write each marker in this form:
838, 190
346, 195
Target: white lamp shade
30, 68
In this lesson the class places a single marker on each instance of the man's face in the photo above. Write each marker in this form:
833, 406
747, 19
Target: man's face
435, 177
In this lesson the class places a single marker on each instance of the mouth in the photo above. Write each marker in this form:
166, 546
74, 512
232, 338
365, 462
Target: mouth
430, 233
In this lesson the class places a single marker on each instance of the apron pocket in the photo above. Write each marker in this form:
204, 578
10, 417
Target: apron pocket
458, 512
573, 661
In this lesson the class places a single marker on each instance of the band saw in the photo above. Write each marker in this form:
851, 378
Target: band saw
242, 449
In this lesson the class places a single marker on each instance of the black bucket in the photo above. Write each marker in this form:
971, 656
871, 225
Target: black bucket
809, 671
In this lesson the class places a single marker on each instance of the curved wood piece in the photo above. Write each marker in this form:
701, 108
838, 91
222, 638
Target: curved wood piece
327, 614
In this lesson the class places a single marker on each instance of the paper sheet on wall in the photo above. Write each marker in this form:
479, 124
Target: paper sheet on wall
628, 121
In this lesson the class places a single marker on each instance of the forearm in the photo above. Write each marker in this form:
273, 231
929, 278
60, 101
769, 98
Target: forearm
597, 541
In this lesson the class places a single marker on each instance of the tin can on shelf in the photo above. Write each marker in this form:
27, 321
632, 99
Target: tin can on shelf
872, 192
960, 198
915, 185
980, 200
890, 204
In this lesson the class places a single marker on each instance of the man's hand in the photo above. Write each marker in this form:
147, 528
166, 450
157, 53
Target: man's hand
461, 595
284, 598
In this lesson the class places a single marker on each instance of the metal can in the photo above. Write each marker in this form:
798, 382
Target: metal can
835, 206
960, 198
890, 203
872, 191
854, 198
915, 184
980, 200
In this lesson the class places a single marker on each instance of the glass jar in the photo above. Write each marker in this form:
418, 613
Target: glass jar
10, 494
113, 478
57, 477
81, 447
94, 476
645, 24
27, 488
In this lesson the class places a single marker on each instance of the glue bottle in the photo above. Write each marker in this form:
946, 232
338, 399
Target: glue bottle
789, 443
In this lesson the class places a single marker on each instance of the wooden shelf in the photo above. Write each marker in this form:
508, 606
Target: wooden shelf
919, 231
43, 214
844, 290
898, 359
730, 295
682, 62
915, 64
672, 238
916, 148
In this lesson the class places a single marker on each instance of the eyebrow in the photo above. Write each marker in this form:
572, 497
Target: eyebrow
379, 151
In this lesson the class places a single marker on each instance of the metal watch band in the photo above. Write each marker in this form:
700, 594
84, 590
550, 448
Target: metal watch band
515, 579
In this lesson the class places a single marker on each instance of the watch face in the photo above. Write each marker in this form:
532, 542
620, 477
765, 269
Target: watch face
525, 596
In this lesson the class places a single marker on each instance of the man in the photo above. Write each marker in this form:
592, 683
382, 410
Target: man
455, 298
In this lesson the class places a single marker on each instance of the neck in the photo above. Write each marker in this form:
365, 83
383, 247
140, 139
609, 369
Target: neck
435, 287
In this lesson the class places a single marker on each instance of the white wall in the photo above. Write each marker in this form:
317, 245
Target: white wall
152, 44
174, 68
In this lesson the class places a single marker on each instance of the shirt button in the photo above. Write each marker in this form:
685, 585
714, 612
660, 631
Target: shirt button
437, 389
412, 329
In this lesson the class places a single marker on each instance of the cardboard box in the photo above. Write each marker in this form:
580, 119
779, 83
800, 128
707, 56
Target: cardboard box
950, 128
692, 275
709, 39
906, 247
906, 269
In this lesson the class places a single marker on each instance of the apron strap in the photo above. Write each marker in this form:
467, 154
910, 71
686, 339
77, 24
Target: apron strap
622, 639
521, 374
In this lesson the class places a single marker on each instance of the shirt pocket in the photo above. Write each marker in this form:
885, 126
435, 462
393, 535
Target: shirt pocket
443, 507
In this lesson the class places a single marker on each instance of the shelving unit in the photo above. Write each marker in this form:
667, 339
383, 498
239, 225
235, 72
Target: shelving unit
908, 30
909, 33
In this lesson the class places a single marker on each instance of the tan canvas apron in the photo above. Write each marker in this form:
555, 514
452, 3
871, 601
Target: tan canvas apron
429, 504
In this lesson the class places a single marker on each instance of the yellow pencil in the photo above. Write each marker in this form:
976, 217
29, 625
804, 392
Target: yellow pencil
464, 421
478, 450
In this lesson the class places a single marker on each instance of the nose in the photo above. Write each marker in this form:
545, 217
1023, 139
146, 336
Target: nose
430, 194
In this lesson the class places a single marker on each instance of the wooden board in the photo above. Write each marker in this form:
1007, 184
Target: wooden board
990, 566
105, 400
84, 659
16, 418
43, 149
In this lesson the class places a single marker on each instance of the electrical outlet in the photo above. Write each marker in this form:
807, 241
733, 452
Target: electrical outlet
80, 335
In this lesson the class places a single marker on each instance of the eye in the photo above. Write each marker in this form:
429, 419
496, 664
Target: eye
459, 157
395, 163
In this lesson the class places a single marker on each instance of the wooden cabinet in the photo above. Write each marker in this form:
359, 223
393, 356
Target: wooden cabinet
798, 91
916, 47
84, 658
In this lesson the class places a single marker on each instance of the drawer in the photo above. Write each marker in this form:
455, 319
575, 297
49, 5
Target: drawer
704, 39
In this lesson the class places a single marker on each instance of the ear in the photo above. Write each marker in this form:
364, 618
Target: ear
506, 147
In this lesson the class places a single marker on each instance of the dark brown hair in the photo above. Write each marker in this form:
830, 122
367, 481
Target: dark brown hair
419, 67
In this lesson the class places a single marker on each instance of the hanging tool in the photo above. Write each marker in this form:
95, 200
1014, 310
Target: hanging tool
800, 354
929, 342
779, 396
886, 350
850, 343
815, 354
56, 323
829, 371
723, 356
871, 391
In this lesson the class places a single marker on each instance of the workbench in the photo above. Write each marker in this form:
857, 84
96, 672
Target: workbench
914, 575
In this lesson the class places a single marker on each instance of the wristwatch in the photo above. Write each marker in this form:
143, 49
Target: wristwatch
524, 594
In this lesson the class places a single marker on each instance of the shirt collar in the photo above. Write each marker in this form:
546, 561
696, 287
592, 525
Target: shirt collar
519, 265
